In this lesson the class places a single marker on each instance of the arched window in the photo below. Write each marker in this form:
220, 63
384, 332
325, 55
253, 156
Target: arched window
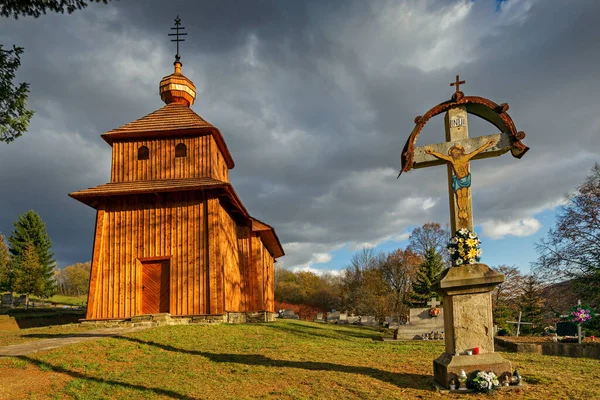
143, 153
180, 150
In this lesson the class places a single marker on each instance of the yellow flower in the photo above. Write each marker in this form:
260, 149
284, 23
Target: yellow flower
461, 240
461, 252
471, 242
472, 253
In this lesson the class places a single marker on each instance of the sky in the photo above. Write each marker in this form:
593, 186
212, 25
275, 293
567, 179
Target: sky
315, 101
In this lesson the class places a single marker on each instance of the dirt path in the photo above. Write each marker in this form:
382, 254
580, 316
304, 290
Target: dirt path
64, 340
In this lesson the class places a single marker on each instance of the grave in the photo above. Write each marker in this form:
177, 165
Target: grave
319, 318
566, 328
368, 320
421, 322
465, 288
7, 300
288, 314
343, 318
333, 317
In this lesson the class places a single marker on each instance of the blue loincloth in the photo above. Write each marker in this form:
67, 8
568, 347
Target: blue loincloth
461, 183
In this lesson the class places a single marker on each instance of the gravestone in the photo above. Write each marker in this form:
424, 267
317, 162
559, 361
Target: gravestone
319, 317
343, 318
420, 322
368, 320
7, 300
353, 319
289, 314
566, 328
333, 317
465, 288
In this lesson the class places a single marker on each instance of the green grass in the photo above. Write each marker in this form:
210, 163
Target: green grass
283, 360
62, 299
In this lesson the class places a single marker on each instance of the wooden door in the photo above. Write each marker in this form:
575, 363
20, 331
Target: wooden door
155, 287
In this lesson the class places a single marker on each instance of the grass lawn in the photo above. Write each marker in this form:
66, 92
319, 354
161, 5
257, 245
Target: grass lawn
62, 299
283, 360
25, 335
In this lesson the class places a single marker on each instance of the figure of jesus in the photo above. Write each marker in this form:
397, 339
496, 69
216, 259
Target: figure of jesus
461, 180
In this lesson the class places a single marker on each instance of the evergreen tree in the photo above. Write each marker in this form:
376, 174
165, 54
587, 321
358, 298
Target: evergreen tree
31, 230
29, 277
429, 271
6, 267
531, 303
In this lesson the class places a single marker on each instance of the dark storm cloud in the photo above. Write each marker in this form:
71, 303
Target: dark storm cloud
315, 101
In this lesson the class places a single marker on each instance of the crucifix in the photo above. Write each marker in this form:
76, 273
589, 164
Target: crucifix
456, 153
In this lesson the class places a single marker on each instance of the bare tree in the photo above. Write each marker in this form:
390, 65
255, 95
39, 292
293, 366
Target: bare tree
505, 296
571, 249
398, 271
430, 236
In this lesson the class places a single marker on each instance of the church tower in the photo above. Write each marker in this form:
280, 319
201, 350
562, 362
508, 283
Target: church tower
172, 236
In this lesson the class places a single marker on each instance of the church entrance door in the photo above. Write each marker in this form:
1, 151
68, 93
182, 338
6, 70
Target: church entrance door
155, 287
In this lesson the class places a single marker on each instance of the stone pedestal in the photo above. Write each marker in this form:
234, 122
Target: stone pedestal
466, 292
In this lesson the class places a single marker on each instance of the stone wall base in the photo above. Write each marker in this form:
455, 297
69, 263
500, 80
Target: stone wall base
168, 319
447, 367
250, 317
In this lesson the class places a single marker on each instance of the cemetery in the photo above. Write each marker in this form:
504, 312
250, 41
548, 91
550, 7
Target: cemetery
187, 293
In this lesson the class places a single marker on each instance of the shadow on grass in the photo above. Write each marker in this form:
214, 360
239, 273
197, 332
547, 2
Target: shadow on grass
45, 366
98, 335
316, 330
402, 380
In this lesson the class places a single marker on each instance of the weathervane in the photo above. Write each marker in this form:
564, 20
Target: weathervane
177, 34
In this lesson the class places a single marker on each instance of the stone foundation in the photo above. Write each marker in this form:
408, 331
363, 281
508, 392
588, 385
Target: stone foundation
168, 319
250, 317
447, 367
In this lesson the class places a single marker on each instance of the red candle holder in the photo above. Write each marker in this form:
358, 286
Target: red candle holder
475, 350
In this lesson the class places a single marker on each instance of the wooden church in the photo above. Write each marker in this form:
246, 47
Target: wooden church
172, 236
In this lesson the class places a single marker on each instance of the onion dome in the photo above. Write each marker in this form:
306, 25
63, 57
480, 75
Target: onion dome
176, 88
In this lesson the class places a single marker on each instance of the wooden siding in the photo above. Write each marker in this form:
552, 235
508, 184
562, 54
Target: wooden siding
244, 239
204, 159
145, 227
269, 283
230, 259
178, 227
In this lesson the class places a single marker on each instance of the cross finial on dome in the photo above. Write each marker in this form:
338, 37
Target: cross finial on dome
176, 28
176, 88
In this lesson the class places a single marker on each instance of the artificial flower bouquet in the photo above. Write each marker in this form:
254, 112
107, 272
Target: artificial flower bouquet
484, 382
464, 247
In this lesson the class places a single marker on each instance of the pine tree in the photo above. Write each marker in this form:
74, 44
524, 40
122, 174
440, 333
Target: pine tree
428, 272
29, 277
6, 267
531, 303
31, 230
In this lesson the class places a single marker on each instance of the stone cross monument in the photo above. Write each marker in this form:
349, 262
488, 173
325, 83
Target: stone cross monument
466, 289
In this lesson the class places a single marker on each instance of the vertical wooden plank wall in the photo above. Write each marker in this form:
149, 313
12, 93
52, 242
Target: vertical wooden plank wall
95, 280
147, 226
230, 260
203, 159
269, 284
257, 279
245, 265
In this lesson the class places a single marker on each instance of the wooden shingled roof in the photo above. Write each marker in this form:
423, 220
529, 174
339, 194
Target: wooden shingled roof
266, 232
173, 119
268, 236
89, 196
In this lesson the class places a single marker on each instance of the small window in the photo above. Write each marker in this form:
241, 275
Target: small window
143, 153
180, 150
